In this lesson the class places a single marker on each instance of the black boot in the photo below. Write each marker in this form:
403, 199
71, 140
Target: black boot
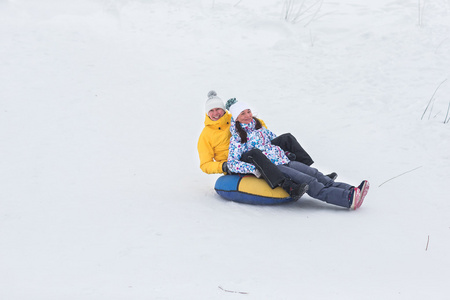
332, 175
270, 172
296, 191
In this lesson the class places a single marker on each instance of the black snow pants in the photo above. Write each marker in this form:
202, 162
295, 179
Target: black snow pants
269, 171
289, 143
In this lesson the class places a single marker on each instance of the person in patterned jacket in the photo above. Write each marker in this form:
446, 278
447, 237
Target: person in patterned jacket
247, 133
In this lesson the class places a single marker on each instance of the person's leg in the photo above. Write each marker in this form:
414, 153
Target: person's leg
271, 174
313, 172
289, 143
328, 193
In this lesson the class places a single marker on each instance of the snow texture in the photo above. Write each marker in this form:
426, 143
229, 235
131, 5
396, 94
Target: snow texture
101, 106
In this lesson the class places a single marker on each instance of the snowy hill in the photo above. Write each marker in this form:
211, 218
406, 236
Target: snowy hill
101, 105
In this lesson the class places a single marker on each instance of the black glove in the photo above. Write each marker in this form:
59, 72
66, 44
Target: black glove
225, 168
290, 155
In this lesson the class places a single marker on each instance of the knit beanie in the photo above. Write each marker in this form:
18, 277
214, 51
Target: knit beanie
235, 107
213, 102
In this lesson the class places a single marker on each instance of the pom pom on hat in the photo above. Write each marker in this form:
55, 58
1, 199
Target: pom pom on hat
212, 94
230, 102
213, 102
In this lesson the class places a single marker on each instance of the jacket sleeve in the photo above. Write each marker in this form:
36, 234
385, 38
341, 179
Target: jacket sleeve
234, 156
270, 134
206, 155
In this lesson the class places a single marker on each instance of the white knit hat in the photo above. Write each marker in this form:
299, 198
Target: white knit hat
213, 102
238, 107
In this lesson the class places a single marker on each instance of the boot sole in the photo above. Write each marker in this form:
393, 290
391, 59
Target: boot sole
304, 189
364, 190
356, 199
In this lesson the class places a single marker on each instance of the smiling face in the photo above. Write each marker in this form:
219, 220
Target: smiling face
216, 113
245, 117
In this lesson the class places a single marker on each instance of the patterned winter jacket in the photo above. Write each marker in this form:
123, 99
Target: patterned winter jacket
256, 138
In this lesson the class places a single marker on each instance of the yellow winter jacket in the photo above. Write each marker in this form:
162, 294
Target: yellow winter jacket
213, 144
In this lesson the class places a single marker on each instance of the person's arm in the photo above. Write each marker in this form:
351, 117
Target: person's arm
270, 134
235, 165
206, 155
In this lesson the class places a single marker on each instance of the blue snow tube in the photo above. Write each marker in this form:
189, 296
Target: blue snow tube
250, 190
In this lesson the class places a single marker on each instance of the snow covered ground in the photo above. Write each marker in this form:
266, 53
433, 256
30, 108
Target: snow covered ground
101, 105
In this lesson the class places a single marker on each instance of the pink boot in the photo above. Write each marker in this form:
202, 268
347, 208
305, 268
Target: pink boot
364, 188
355, 198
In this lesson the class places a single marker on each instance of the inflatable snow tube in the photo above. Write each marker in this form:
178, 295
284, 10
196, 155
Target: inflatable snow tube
250, 190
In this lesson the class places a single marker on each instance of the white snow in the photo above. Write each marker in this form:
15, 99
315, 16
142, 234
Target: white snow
101, 105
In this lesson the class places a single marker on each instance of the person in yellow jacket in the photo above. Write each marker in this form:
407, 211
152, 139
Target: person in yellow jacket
215, 137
